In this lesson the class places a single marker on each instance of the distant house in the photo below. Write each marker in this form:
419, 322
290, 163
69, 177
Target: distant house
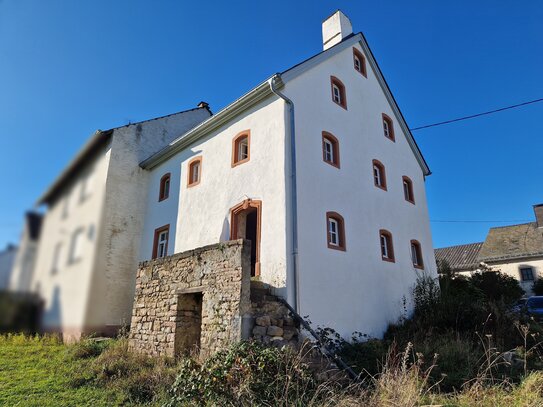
7, 257
516, 250
461, 259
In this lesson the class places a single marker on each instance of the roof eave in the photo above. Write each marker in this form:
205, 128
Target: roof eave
257, 94
97, 139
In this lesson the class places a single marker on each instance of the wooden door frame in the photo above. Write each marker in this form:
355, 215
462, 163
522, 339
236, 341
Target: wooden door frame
235, 212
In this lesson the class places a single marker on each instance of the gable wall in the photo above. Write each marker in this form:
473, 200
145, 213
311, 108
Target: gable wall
356, 282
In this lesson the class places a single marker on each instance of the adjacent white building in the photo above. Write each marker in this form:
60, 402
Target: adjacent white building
315, 165
85, 262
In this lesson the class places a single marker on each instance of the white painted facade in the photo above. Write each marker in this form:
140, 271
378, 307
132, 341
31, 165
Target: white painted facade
513, 267
200, 215
356, 282
351, 290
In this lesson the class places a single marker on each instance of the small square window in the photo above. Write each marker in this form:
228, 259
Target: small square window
527, 274
241, 148
335, 230
160, 244
195, 171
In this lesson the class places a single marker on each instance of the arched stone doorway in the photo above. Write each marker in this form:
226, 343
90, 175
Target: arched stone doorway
246, 219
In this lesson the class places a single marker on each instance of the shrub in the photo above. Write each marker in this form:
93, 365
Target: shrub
88, 348
246, 374
537, 287
497, 286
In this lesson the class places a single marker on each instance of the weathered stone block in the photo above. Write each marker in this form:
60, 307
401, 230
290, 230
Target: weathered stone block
275, 331
260, 330
263, 320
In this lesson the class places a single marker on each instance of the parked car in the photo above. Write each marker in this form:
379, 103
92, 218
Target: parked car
534, 307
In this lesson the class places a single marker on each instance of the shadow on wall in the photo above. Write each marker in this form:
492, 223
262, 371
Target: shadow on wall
225, 233
52, 316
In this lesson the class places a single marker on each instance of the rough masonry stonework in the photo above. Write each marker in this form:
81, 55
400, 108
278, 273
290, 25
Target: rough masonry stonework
195, 300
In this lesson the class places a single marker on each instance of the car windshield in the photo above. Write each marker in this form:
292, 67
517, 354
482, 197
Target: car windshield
536, 302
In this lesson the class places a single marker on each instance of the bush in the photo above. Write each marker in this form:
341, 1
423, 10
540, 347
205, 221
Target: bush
88, 348
537, 287
246, 374
497, 286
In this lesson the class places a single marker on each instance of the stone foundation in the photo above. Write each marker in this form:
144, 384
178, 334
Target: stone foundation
271, 320
203, 300
192, 301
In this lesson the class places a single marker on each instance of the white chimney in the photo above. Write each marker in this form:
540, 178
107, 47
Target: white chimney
335, 28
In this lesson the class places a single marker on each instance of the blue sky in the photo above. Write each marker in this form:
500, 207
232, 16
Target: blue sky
68, 68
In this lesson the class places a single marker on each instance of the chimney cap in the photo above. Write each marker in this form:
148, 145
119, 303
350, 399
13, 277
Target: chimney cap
335, 28
203, 104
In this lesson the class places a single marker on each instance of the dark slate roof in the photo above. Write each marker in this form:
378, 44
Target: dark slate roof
510, 242
461, 257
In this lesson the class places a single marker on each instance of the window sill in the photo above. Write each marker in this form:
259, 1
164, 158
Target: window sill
339, 248
388, 260
340, 105
235, 164
332, 164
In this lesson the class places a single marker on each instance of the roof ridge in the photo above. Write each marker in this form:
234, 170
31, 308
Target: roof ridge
459, 245
159, 117
510, 226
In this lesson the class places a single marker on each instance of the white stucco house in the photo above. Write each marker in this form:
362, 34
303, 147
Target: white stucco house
515, 250
315, 165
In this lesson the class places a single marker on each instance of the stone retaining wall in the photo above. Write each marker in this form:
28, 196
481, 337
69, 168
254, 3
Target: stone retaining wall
201, 293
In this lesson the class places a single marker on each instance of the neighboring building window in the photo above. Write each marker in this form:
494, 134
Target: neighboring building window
76, 248
408, 189
241, 148
335, 231
338, 92
195, 171
387, 248
388, 127
359, 62
86, 185
379, 175
160, 243
330, 149
65, 206
56, 259
416, 254
164, 192
527, 274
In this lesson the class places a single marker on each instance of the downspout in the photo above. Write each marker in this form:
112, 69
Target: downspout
293, 191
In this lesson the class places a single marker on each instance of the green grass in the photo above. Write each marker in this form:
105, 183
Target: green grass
38, 372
